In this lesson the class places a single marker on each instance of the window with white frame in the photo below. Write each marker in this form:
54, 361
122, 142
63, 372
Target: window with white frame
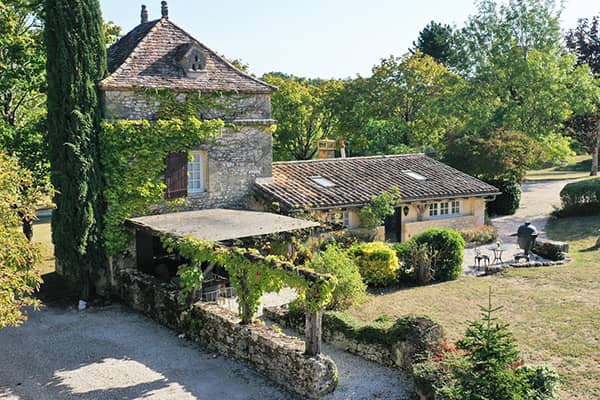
456, 207
444, 208
197, 172
433, 210
346, 218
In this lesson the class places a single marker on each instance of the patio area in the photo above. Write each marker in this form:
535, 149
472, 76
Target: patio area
537, 202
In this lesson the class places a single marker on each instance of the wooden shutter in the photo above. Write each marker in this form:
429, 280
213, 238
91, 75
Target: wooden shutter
176, 175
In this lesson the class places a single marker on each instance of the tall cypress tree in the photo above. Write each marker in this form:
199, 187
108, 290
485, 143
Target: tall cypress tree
76, 63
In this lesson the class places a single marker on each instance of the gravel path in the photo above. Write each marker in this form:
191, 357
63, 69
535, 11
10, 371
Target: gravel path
113, 353
537, 202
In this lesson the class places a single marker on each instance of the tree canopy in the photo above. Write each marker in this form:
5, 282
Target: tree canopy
18, 257
76, 54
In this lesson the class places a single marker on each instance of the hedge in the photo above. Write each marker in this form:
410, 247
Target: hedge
377, 263
508, 201
580, 199
448, 246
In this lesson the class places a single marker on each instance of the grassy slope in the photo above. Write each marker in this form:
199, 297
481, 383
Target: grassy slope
577, 167
554, 312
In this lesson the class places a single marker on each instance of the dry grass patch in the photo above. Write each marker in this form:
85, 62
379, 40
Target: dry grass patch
554, 312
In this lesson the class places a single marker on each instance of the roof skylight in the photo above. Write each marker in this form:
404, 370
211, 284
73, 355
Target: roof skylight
324, 182
414, 175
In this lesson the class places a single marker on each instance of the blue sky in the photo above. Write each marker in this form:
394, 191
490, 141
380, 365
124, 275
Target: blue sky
313, 38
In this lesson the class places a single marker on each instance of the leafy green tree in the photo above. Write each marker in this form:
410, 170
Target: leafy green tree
18, 256
112, 32
499, 155
584, 40
76, 54
401, 107
436, 40
22, 86
519, 76
301, 114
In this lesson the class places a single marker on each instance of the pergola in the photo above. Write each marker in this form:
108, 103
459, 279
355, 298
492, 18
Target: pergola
224, 227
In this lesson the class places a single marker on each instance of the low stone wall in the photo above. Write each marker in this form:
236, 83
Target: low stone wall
397, 345
276, 355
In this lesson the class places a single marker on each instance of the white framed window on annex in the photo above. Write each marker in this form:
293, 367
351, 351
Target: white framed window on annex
197, 172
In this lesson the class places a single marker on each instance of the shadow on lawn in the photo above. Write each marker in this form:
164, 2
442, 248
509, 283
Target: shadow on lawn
573, 228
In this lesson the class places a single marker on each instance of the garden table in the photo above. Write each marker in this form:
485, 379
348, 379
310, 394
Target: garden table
497, 250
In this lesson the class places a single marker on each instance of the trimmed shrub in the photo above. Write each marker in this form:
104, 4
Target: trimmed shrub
580, 199
377, 263
508, 202
448, 247
417, 262
542, 381
483, 234
350, 289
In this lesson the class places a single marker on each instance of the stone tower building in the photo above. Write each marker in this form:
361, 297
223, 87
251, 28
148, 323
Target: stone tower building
159, 55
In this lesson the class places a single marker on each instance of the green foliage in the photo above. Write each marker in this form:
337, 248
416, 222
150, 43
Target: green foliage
491, 368
448, 246
76, 54
506, 203
498, 155
133, 159
402, 105
480, 235
580, 198
418, 261
251, 274
299, 106
350, 289
436, 40
377, 263
22, 86
381, 206
18, 257
543, 382
520, 76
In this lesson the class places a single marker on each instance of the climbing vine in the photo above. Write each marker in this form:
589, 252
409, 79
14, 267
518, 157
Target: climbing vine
252, 275
133, 158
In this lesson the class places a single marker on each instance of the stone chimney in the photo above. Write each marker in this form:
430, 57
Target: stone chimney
144, 15
326, 148
164, 9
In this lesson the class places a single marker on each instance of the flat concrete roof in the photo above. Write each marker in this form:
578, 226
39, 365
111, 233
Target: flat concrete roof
220, 224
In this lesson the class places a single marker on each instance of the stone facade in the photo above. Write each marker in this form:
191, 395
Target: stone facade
241, 153
140, 105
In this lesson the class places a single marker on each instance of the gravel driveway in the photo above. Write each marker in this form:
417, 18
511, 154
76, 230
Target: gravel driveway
537, 202
113, 353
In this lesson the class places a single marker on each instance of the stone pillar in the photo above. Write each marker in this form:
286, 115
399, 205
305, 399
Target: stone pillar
313, 333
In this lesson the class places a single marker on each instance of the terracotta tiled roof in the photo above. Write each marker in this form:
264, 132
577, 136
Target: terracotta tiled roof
148, 57
358, 179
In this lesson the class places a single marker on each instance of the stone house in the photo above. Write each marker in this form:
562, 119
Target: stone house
159, 55
432, 194
237, 168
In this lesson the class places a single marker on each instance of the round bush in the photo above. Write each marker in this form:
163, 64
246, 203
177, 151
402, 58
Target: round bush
448, 246
350, 289
377, 263
580, 198
508, 202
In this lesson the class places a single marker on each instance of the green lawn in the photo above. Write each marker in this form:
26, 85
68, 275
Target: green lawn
41, 234
577, 167
554, 312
